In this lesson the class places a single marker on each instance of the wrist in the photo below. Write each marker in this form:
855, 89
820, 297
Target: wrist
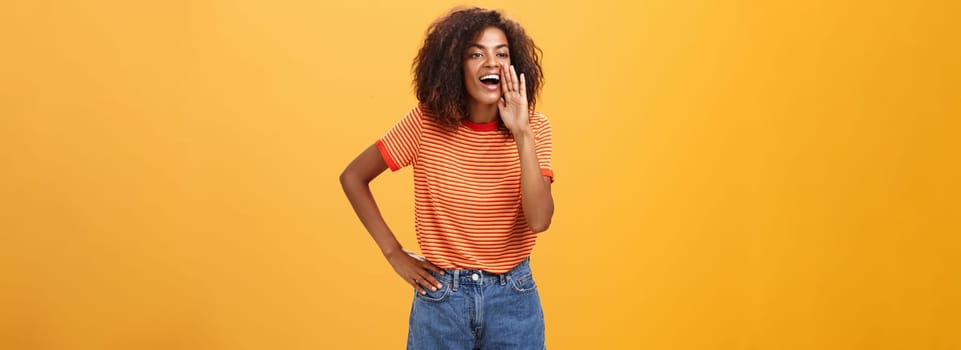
523, 132
523, 139
389, 252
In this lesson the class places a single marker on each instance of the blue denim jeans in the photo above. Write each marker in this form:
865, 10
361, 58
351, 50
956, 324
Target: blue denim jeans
479, 310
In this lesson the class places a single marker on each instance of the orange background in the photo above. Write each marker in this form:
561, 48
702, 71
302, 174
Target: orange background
730, 174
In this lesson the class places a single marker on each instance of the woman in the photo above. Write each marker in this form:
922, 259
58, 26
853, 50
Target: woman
482, 184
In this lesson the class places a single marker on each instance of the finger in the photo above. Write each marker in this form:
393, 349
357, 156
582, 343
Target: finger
504, 79
510, 77
415, 282
433, 284
523, 87
430, 266
428, 281
513, 78
438, 270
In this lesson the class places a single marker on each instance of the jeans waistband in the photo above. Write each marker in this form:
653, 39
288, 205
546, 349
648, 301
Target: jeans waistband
459, 277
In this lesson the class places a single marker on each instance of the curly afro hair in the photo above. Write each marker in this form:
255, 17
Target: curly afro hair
439, 66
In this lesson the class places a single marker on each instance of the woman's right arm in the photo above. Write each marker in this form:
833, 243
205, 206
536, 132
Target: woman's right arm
356, 180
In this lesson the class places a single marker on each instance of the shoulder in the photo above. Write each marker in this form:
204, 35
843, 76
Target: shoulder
419, 112
417, 117
424, 115
539, 121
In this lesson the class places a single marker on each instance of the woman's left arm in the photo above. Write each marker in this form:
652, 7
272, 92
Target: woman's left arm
535, 188
536, 196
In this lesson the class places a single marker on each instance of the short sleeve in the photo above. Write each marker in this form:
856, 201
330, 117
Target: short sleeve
400, 145
543, 144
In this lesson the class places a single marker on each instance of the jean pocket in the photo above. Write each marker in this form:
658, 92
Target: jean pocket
523, 284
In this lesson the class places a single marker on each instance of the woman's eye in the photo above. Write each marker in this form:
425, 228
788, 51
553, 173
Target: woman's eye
475, 55
502, 54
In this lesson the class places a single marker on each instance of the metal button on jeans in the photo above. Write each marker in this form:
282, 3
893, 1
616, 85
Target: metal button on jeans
474, 277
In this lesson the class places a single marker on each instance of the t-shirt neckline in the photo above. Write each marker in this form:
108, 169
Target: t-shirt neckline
489, 126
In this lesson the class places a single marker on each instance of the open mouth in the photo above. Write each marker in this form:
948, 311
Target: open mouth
491, 79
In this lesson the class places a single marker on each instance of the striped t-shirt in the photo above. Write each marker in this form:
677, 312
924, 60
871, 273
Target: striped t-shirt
467, 189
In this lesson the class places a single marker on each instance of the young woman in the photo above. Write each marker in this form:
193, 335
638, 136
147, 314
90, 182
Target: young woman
482, 183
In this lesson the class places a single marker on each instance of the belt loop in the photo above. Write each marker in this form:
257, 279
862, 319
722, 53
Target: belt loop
503, 278
456, 277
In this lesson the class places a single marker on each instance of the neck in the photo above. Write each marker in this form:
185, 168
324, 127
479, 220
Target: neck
483, 113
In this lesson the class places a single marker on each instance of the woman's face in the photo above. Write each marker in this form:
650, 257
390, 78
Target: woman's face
482, 66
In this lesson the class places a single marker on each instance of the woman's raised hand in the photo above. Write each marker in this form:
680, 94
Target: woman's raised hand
513, 104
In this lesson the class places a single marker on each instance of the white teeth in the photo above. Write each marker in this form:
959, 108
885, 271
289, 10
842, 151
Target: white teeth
491, 76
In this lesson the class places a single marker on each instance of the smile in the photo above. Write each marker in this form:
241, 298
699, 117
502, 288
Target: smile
490, 79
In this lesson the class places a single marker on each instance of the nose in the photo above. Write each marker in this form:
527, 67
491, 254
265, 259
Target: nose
490, 61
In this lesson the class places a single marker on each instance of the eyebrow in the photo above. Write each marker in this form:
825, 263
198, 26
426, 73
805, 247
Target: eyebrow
479, 46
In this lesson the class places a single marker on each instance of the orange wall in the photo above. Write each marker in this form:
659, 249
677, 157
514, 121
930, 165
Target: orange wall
730, 175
